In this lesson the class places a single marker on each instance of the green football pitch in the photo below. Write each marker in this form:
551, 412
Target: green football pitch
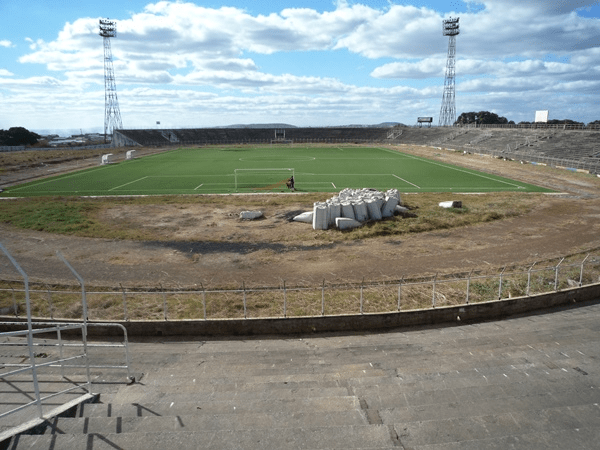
222, 170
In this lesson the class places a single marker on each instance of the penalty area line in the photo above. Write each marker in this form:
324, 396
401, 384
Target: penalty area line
131, 182
394, 175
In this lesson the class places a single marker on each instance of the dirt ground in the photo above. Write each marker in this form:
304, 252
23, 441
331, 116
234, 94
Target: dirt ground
209, 245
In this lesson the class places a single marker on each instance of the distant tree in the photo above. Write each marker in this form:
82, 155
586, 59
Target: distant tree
564, 122
481, 117
18, 136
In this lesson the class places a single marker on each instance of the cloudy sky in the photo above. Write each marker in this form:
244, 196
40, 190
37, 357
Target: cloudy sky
303, 62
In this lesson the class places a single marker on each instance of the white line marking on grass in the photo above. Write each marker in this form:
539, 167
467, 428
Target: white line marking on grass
60, 178
197, 187
394, 175
333, 185
131, 182
464, 171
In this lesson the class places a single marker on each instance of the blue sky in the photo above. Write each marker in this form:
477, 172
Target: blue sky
303, 62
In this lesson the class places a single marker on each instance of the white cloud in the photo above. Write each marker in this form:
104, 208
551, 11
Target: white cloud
200, 62
5, 43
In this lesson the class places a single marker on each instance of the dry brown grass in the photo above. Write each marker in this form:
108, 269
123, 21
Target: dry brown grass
57, 302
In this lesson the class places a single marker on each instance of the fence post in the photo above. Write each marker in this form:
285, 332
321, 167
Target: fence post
244, 288
500, 287
284, 300
433, 296
323, 299
580, 272
124, 303
469, 285
529, 278
400, 292
361, 295
16, 310
50, 304
556, 275
164, 302
203, 300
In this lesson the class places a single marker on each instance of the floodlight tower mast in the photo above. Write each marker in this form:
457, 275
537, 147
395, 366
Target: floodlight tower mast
112, 115
448, 110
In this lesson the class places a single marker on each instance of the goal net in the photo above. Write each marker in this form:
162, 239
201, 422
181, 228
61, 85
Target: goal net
262, 179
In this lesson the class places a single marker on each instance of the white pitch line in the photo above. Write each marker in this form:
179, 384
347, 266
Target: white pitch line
199, 186
465, 171
333, 185
131, 182
394, 175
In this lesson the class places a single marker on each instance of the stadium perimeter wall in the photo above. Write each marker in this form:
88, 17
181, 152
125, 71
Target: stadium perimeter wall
477, 312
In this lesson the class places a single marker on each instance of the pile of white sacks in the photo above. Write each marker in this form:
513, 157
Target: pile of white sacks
351, 208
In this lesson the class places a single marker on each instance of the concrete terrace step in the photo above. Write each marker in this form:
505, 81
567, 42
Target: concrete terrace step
145, 396
527, 382
319, 373
347, 437
546, 428
165, 407
205, 422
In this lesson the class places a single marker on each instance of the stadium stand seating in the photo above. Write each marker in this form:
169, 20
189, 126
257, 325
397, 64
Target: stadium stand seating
205, 136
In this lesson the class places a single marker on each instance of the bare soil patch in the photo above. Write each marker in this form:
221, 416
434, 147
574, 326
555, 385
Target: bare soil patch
208, 244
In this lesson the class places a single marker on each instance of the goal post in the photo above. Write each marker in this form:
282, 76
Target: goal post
262, 179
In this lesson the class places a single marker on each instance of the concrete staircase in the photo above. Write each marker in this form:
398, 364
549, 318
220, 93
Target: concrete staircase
528, 382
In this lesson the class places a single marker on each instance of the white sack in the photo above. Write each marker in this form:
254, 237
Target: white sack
345, 223
306, 217
250, 215
320, 216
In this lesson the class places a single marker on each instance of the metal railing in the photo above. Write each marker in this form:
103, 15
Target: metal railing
286, 300
70, 361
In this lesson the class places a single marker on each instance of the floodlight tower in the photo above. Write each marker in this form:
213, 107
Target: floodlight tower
112, 115
448, 110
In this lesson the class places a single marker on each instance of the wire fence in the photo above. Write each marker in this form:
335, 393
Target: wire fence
325, 299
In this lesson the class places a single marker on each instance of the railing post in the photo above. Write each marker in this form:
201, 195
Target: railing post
124, 303
581, 271
284, 300
85, 319
36, 386
556, 275
433, 295
500, 287
529, 278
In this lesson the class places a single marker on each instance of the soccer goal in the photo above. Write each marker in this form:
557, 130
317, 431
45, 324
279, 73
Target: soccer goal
262, 179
